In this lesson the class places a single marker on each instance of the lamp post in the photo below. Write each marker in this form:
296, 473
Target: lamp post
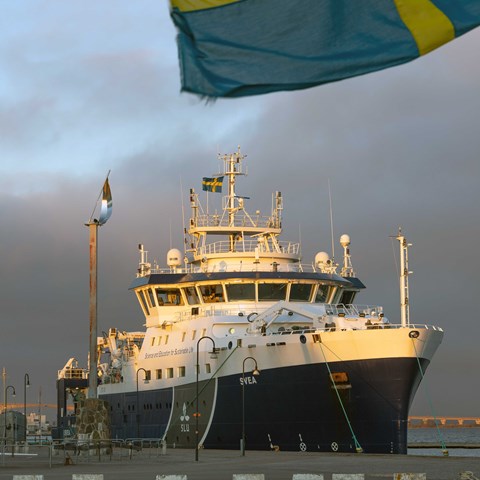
255, 371
26, 384
5, 410
197, 413
145, 380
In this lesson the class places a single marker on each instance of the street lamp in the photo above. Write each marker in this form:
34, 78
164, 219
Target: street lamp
255, 371
26, 384
197, 413
5, 410
145, 380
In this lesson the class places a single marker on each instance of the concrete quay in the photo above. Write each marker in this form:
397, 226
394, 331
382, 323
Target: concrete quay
222, 465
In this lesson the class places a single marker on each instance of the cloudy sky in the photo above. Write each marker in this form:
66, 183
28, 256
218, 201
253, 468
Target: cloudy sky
88, 87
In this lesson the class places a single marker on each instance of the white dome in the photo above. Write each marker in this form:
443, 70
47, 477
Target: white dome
345, 240
174, 257
322, 258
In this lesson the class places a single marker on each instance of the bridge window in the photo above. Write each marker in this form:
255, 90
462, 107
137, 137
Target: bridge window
151, 298
141, 296
322, 294
300, 292
347, 297
169, 297
192, 297
240, 291
212, 293
268, 292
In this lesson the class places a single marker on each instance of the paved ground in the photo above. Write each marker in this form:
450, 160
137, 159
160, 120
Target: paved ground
220, 465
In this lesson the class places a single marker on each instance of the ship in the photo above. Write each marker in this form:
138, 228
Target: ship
245, 346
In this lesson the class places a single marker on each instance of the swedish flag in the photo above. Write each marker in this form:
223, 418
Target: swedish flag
234, 48
212, 184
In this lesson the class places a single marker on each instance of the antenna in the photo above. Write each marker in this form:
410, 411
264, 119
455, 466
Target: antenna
183, 220
300, 239
331, 221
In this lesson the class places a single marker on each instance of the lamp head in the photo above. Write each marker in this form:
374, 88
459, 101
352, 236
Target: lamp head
256, 372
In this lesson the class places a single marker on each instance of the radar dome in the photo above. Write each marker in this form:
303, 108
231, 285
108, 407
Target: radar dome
322, 258
174, 257
345, 240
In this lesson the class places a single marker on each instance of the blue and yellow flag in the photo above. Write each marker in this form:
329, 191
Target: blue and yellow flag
234, 48
212, 184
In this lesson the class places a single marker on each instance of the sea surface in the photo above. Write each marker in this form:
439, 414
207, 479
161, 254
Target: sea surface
448, 436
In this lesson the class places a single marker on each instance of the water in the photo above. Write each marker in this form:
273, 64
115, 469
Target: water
450, 436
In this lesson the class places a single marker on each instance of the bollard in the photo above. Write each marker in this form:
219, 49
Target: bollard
28, 477
248, 476
348, 476
409, 476
171, 477
306, 476
87, 476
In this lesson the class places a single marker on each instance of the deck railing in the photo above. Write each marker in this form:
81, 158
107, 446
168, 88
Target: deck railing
254, 221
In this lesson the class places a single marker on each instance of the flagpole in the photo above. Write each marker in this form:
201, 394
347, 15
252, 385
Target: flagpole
93, 224
92, 367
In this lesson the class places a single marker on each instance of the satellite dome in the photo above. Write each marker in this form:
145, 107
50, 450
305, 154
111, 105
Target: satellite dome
174, 257
322, 258
345, 240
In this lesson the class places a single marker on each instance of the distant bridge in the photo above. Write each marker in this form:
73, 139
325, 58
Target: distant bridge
425, 421
20, 406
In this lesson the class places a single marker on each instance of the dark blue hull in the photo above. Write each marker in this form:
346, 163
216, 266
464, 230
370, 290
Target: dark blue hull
292, 408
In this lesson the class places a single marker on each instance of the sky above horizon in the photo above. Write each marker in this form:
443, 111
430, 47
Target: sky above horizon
87, 88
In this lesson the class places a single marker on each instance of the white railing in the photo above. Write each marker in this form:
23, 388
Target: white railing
222, 309
255, 221
355, 310
237, 267
73, 373
250, 246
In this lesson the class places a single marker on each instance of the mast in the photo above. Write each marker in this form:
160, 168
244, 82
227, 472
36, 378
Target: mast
404, 272
232, 168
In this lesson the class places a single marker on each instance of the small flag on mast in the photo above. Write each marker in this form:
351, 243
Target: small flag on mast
212, 184
106, 207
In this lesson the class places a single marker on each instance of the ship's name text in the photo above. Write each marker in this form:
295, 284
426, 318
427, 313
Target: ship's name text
248, 381
166, 353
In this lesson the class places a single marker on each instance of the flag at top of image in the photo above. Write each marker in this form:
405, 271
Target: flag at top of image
212, 184
235, 48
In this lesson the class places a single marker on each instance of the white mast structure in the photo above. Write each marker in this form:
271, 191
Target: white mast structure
404, 273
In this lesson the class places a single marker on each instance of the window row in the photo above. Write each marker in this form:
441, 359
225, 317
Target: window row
162, 373
236, 292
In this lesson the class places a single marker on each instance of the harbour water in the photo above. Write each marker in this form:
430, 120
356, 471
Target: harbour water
451, 437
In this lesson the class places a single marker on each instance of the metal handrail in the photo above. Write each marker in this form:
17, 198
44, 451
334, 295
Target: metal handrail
249, 246
254, 221
294, 267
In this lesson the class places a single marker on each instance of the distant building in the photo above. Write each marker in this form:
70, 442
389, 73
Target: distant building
37, 424
12, 427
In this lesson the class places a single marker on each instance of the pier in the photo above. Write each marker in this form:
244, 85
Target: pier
224, 464
429, 421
